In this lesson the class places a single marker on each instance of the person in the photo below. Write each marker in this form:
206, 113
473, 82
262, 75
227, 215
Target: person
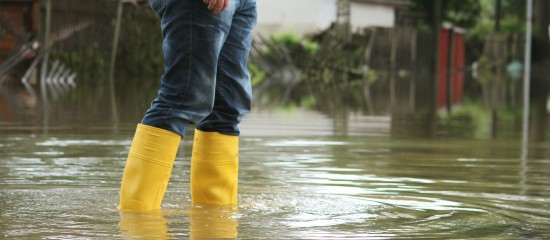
205, 83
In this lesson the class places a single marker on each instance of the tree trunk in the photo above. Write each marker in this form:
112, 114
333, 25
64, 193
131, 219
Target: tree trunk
432, 116
540, 81
539, 115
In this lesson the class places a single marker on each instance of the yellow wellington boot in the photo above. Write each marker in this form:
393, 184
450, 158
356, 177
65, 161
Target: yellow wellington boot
148, 168
214, 168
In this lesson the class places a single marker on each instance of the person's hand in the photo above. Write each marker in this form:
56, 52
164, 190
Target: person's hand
217, 6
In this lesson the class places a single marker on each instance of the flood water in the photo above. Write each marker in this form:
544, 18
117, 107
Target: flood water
298, 180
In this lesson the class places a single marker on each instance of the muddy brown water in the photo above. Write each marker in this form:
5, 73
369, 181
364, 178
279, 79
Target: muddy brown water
298, 180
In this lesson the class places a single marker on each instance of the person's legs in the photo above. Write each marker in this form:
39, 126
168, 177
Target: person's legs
193, 38
214, 164
233, 96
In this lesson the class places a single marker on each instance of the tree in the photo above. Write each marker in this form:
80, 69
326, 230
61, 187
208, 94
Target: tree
464, 14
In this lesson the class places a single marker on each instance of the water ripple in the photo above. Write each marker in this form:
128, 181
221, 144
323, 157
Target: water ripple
307, 188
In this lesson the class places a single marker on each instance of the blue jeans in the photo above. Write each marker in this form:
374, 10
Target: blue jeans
206, 80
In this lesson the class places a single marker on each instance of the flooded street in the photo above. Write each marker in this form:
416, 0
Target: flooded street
298, 180
386, 119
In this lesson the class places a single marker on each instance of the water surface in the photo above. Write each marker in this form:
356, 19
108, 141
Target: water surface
298, 180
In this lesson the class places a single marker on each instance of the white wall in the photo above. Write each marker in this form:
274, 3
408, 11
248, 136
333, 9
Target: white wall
307, 16
364, 15
297, 16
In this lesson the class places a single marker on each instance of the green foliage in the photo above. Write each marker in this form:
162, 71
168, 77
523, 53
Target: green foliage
511, 22
90, 64
462, 13
477, 16
473, 120
294, 42
139, 59
465, 13
485, 73
292, 54
310, 47
372, 76
91, 67
308, 101
485, 23
470, 120
140, 48
140, 63
288, 39
257, 74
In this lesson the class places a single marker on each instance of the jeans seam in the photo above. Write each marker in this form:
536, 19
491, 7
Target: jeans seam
162, 8
241, 4
184, 94
221, 78
221, 60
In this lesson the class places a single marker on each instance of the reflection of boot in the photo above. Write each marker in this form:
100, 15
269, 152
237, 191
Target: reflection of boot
214, 168
144, 225
148, 168
212, 222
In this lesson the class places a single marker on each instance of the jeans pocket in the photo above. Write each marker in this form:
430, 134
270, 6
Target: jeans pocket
158, 6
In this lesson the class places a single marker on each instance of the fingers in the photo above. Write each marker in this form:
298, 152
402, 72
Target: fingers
216, 6
212, 4
220, 5
225, 5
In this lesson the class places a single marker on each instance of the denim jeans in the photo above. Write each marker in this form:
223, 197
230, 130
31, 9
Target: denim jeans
206, 80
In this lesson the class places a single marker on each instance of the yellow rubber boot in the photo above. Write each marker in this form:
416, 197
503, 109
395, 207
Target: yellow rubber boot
148, 168
214, 168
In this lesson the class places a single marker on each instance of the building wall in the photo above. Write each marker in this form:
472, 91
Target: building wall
300, 17
307, 16
364, 15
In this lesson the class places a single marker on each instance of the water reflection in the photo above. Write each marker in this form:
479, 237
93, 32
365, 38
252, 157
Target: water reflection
84, 109
16, 104
294, 187
204, 222
213, 222
148, 225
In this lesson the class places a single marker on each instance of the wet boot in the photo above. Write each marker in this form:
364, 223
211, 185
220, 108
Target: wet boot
148, 168
214, 168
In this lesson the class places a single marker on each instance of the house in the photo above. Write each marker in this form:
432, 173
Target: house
308, 16
378, 13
